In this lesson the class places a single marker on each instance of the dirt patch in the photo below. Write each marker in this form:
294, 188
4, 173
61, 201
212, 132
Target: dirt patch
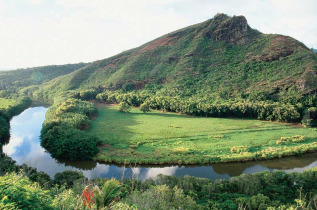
106, 146
100, 105
165, 41
280, 46
111, 65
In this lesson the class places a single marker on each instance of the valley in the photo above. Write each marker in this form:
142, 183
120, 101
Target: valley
216, 115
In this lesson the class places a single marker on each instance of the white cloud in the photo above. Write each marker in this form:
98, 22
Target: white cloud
153, 172
35, 2
15, 141
2, 6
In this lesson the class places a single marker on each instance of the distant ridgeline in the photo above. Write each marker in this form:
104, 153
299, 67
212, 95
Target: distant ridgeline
314, 50
221, 67
33, 76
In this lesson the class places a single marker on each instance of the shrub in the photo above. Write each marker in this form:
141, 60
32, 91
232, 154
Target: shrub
162, 197
298, 138
239, 149
145, 108
294, 139
124, 107
67, 200
18, 191
68, 178
110, 191
218, 136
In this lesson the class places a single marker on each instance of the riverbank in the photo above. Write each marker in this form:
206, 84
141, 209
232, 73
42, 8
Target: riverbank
24, 148
10, 108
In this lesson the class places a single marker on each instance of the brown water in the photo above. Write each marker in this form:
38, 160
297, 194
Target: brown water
24, 147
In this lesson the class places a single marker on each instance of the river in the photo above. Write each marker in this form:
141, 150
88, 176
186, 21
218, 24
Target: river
24, 147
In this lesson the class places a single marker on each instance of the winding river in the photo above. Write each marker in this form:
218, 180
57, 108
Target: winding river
24, 147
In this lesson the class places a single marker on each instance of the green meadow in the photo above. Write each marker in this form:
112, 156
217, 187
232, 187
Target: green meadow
170, 138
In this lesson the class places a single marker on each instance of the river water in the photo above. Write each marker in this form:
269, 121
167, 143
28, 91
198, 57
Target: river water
24, 147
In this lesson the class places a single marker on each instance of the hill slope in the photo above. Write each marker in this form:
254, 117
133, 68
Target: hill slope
222, 56
34, 76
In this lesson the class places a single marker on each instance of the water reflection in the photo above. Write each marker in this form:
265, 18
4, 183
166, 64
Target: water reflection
24, 147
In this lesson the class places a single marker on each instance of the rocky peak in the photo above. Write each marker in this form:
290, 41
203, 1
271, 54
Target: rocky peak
234, 30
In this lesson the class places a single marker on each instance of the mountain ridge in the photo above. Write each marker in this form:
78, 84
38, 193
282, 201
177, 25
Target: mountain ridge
220, 56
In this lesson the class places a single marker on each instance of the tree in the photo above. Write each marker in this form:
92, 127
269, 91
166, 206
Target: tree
124, 107
110, 191
68, 178
145, 108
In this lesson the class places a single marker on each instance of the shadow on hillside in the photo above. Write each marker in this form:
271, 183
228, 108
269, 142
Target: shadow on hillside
118, 125
112, 127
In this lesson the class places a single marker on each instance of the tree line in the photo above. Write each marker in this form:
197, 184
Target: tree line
63, 132
262, 110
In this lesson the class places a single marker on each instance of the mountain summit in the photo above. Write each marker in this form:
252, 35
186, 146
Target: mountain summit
233, 30
222, 57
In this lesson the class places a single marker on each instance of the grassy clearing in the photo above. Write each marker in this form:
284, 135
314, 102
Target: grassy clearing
158, 138
5, 103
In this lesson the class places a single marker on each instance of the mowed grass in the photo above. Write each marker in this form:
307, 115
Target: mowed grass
5, 103
169, 138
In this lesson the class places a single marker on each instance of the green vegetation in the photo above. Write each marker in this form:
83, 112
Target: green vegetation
6, 103
17, 192
164, 137
124, 107
144, 108
193, 63
267, 190
211, 69
62, 133
10, 107
241, 108
10, 80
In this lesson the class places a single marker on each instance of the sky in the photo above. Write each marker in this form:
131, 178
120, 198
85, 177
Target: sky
47, 32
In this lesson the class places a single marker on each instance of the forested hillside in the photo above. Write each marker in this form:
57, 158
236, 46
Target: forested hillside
34, 76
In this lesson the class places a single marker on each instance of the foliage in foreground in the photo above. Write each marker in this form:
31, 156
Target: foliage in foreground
266, 190
18, 192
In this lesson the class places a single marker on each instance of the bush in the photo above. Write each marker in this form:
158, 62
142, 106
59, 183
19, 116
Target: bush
18, 191
67, 200
239, 149
162, 197
68, 178
144, 108
124, 107
294, 139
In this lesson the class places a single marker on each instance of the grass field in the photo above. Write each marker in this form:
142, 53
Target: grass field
170, 138
5, 103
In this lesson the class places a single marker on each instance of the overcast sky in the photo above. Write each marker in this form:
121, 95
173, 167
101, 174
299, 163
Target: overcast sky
43, 32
